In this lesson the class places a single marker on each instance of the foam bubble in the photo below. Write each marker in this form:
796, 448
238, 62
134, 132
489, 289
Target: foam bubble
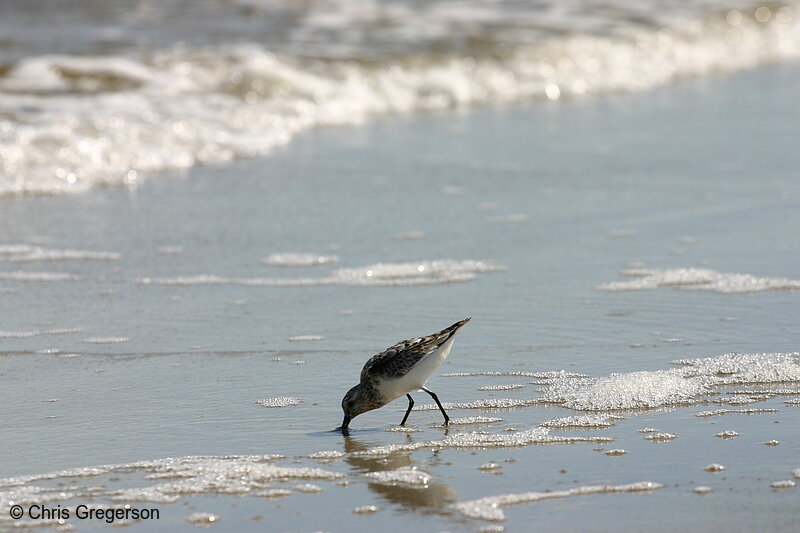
27, 334
120, 115
306, 338
490, 467
727, 434
365, 509
106, 340
698, 279
299, 260
326, 455
474, 420
696, 379
410, 476
512, 386
555, 374
191, 475
404, 429
281, 401
481, 439
583, 421
635, 390
491, 507
491, 403
783, 484
25, 275
203, 519
18, 253
702, 489
660, 437
718, 412
308, 488
273, 494
714, 468
434, 272
615, 452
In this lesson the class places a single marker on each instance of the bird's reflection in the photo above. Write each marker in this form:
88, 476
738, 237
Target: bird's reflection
431, 498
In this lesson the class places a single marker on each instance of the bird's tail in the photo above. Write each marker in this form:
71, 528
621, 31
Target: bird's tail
455, 327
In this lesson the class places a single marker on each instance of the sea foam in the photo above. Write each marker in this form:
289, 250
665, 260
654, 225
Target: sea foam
129, 112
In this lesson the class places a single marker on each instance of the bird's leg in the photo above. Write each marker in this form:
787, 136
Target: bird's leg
436, 399
410, 405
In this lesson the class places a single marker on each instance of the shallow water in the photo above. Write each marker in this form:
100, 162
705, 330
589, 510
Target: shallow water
523, 214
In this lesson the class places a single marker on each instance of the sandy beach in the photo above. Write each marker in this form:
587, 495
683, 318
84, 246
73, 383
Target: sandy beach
161, 348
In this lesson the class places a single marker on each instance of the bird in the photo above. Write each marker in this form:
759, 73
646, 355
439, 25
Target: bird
398, 370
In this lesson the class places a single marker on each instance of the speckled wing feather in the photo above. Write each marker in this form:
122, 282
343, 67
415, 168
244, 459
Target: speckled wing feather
396, 361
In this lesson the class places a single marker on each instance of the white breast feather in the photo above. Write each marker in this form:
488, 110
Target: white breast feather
416, 377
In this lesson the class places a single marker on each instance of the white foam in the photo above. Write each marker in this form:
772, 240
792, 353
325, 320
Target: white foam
634, 390
299, 260
403, 429
727, 434
408, 476
27, 334
118, 116
796, 473
783, 484
365, 509
326, 455
306, 338
308, 488
433, 272
106, 340
491, 507
541, 375
474, 420
492, 403
660, 436
615, 453
702, 489
18, 253
512, 386
25, 275
718, 412
481, 439
185, 476
583, 421
695, 380
698, 279
281, 401
714, 468
203, 519
273, 494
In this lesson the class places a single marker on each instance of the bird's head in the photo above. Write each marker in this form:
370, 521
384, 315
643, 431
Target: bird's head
354, 403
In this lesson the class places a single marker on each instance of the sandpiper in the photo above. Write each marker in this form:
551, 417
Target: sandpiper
399, 370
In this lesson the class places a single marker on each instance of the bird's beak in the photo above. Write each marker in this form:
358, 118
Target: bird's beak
345, 424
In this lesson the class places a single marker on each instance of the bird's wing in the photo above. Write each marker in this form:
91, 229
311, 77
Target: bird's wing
396, 361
